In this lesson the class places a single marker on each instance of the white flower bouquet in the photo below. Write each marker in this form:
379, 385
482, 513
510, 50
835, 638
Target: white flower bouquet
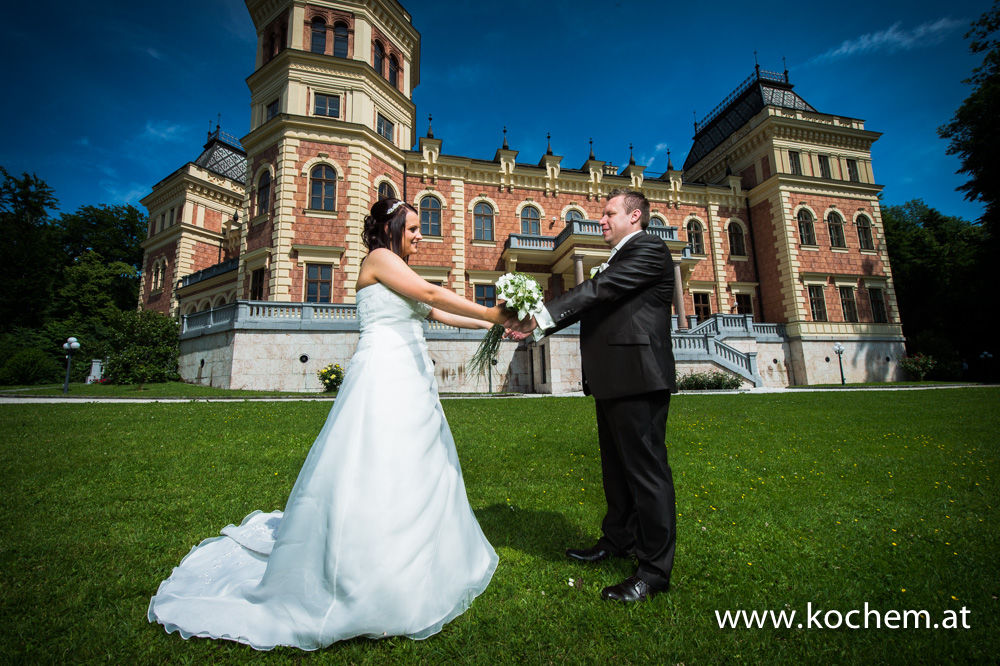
521, 294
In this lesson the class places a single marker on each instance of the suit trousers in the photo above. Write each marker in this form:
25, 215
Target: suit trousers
638, 483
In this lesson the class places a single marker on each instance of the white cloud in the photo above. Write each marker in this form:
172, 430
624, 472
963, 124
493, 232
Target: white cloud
891, 40
154, 53
163, 131
124, 194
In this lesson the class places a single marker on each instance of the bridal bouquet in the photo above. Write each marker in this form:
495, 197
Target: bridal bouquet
521, 294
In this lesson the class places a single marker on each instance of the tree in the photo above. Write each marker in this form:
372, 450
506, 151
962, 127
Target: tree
942, 288
144, 348
28, 264
975, 131
114, 232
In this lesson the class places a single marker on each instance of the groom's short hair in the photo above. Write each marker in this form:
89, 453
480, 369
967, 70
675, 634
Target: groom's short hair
633, 200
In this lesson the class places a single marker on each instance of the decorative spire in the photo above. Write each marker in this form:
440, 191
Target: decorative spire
729, 169
756, 65
631, 160
549, 137
209, 130
505, 146
695, 114
670, 164
785, 65
592, 149
430, 130
218, 123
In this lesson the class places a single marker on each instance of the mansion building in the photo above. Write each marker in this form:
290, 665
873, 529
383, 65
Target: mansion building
773, 222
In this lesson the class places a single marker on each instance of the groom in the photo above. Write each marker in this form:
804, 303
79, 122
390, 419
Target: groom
628, 366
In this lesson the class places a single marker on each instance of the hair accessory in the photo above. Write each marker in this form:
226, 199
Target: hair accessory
392, 208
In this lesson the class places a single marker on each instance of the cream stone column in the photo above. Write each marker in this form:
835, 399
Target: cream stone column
282, 234
458, 235
360, 201
577, 269
718, 267
678, 293
296, 27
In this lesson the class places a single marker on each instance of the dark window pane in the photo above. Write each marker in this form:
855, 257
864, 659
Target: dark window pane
340, 40
318, 37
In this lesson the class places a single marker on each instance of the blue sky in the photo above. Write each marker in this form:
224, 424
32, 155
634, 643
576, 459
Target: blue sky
109, 97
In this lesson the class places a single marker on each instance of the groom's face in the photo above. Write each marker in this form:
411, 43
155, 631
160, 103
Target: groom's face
616, 223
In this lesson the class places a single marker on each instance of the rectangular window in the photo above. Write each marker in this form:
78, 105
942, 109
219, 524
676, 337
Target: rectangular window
793, 163
484, 228
257, 285
171, 218
163, 217
847, 302
818, 303
877, 299
852, 171
327, 105
272, 110
319, 283
702, 306
486, 294
385, 127
824, 167
744, 304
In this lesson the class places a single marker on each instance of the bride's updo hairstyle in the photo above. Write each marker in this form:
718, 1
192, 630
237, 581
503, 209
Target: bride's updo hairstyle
384, 225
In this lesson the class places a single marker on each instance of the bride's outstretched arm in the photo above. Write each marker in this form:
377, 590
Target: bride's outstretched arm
387, 267
457, 320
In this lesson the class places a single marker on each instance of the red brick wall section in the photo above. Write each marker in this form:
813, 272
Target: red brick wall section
749, 177
213, 220
259, 235
159, 301
331, 16
763, 220
204, 255
765, 167
825, 260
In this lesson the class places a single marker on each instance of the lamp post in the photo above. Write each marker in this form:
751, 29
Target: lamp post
71, 345
839, 349
988, 360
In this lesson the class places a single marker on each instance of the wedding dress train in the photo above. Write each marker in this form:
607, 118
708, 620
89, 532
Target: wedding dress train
377, 538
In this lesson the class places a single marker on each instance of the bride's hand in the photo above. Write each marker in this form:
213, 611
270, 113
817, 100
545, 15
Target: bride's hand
497, 314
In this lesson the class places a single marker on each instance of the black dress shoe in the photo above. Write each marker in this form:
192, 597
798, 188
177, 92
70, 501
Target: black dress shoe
595, 554
631, 589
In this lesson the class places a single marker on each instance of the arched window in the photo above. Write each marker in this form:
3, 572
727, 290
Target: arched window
573, 214
340, 40
695, 239
264, 193
836, 224
657, 222
430, 216
807, 232
737, 243
530, 221
865, 238
318, 36
393, 72
324, 188
483, 221
385, 191
378, 60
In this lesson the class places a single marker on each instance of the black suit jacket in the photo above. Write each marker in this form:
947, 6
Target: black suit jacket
624, 315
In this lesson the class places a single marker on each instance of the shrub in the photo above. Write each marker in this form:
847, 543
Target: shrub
331, 376
709, 381
144, 348
30, 366
918, 365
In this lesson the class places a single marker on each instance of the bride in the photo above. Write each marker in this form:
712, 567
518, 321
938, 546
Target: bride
378, 538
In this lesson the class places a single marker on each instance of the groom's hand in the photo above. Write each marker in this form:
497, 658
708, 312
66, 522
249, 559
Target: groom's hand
518, 326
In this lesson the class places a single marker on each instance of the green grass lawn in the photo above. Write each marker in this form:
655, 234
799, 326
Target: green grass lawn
161, 390
828, 499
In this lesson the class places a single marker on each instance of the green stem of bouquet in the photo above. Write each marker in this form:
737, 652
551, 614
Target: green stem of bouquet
488, 349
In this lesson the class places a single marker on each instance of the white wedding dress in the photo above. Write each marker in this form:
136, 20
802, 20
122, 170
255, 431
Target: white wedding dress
377, 539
